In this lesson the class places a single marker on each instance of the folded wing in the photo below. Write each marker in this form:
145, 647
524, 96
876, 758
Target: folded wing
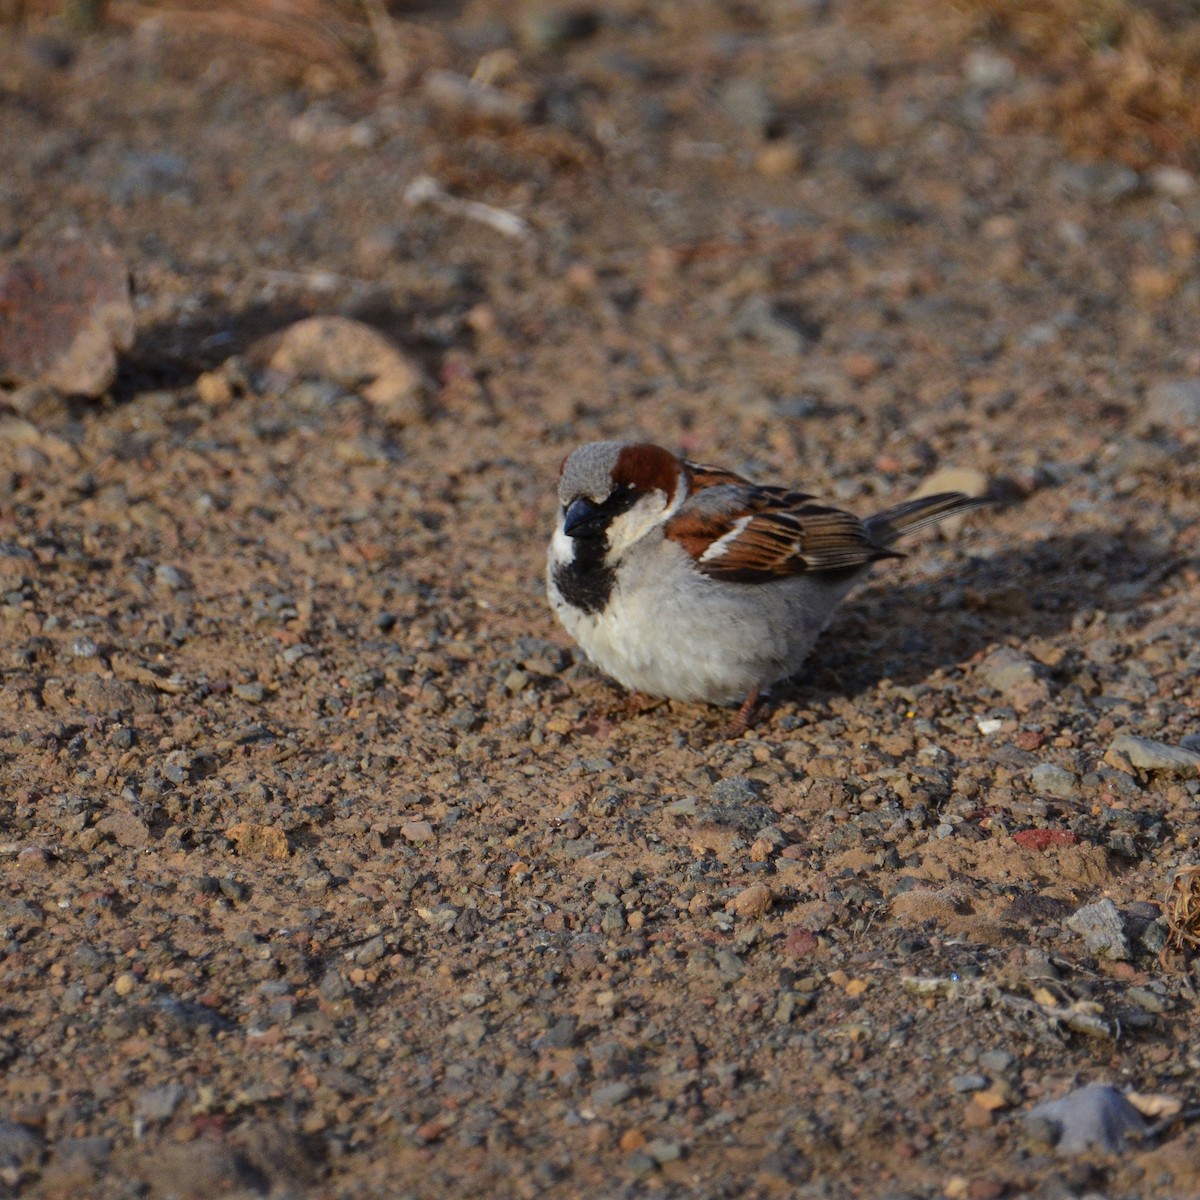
746, 534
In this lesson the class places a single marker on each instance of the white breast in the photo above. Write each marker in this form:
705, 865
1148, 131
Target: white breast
670, 631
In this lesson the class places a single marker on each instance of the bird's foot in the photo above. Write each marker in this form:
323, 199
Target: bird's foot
744, 717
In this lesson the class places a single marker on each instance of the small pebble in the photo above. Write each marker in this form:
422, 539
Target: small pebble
417, 831
747, 103
613, 921
968, 1083
158, 1103
753, 901
996, 1061
1054, 781
168, 576
611, 1095
1102, 929
33, 858
1173, 182
332, 987
1015, 676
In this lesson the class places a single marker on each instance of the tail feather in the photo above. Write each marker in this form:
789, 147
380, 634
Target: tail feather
886, 527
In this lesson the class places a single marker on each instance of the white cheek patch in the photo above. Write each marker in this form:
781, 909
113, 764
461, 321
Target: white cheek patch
562, 547
722, 544
633, 525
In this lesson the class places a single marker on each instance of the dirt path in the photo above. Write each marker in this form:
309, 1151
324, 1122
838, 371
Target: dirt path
328, 869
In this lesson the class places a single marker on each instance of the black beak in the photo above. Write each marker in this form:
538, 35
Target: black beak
583, 519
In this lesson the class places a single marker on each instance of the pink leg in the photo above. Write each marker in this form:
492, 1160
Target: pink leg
744, 717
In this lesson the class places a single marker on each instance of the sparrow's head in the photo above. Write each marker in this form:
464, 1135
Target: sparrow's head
611, 494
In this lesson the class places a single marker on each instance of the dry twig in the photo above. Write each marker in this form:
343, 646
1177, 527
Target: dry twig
1183, 913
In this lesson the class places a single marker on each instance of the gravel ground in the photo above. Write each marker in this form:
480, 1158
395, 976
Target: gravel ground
329, 869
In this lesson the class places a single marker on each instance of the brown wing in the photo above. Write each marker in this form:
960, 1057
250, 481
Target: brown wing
702, 477
746, 534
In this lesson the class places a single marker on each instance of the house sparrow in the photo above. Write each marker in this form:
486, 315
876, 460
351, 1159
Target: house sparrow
693, 583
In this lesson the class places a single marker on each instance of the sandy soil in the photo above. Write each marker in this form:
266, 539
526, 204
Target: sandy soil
329, 869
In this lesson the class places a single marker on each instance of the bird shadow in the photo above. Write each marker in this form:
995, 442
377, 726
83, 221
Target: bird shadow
904, 631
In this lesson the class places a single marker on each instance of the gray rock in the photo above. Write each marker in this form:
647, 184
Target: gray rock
1096, 1117
1108, 182
1016, 677
663, 1151
175, 772
735, 790
370, 951
760, 321
560, 1035
158, 1103
88, 958
1154, 936
729, 964
332, 987
613, 921
996, 1061
968, 1083
685, 806
20, 1146
440, 916
169, 576
1054, 781
232, 889
1102, 930
747, 103
1144, 998
611, 1094
1174, 402
1149, 755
